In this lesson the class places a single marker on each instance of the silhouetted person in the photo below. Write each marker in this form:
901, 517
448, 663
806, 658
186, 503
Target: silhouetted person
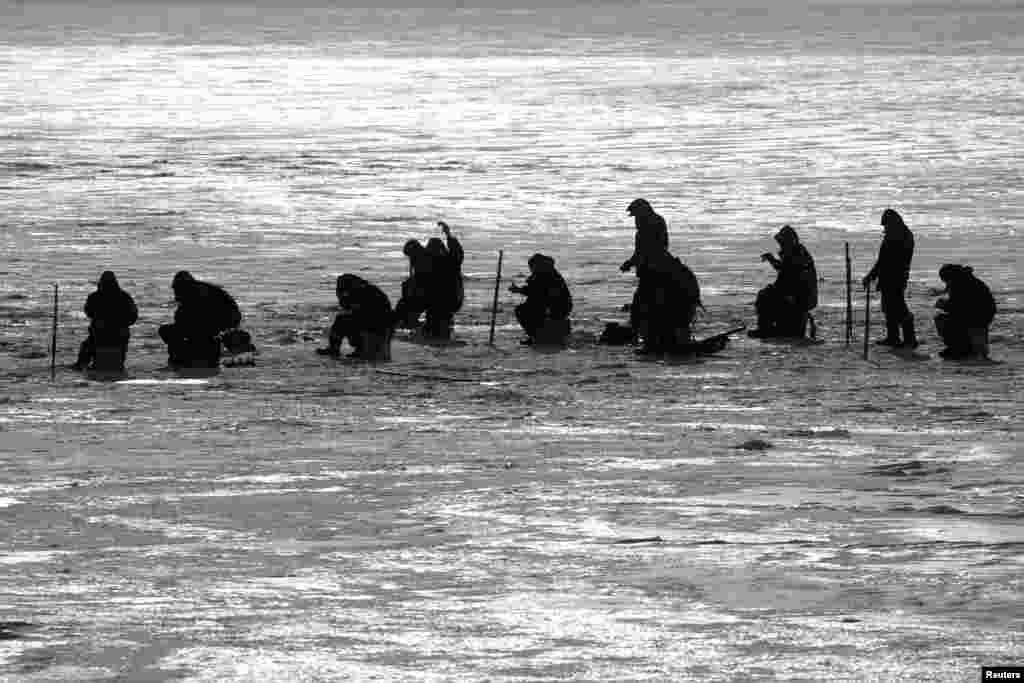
649, 242
415, 288
434, 285
205, 312
451, 290
783, 307
445, 292
548, 301
672, 298
111, 312
967, 313
365, 320
892, 270
651, 234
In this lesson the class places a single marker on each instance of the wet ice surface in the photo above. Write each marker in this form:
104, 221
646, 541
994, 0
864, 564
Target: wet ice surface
772, 511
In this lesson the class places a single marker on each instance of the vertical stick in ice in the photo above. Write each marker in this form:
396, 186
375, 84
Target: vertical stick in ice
867, 318
849, 298
53, 337
494, 304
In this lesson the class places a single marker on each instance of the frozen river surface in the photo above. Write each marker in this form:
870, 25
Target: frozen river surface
503, 514
768, 512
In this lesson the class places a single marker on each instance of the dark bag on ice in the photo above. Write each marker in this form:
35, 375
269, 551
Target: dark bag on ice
616, 334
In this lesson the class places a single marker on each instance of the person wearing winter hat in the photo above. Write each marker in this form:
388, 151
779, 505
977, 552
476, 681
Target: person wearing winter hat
544, 315
205, 312
415, 288
365, 320
111, 312
967, 312
434, 285
892, 270
446, 288
650, 243
783, 307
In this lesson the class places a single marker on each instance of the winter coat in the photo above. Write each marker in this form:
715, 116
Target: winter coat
206, 310
548, 290
969, 300
110, 306
445, 289
797, 277
893, 265
650, 241
366, 306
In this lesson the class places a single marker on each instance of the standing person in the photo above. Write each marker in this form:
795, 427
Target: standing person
547, 300
205, 311
649, 243
365, 320
892, 270
783, 307
445, 289
967, 312
111, 312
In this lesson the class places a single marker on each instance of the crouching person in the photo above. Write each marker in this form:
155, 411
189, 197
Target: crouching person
111, 312
967, 313
544, 316
674, 296
206, 314
784, 307
415, 288
434, 286
365, 320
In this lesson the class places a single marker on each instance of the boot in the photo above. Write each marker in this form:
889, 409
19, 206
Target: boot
85, 353
333, 348
909, 337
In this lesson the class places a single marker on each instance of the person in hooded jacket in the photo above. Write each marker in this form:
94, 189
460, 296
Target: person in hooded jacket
365, 314
783, 306
650, 242
445, 289
892, 270
111, 312
205, 312
415, 288
547, 298
967, 312
651, 237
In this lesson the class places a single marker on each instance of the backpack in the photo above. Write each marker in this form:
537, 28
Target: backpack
688, 283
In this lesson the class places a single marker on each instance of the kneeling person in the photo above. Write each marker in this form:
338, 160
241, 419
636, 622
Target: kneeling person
205, 313
111, 312
365, 320
783, 307
967, 313
544, 316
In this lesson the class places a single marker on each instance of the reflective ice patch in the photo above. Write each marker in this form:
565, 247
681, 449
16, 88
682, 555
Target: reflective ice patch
31, 557
169, 380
